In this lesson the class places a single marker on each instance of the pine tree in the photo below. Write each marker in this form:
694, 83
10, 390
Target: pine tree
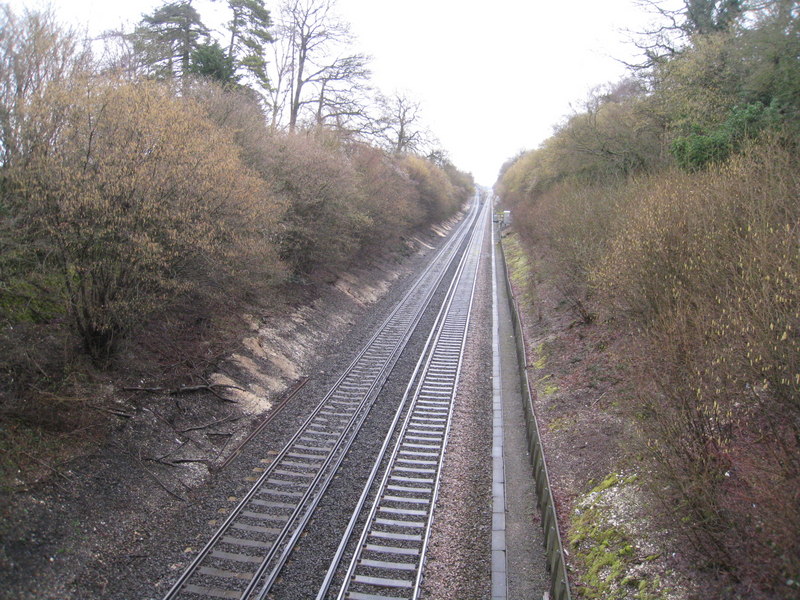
250, 35
167, 38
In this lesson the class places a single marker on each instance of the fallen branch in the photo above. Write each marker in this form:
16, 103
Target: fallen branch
181, 445
211, 389
161, 483
177, 461
186, 389
172, 426
217, 422
205, 386
21, 470
112, 411
36, 364
600, 398
44, 464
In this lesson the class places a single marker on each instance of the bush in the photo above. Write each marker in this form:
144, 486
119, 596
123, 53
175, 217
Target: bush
707, 265
137, 200
703, 269
434, 191
700, 264
577, 223
321, 225
696, 151
237, 111
35, 53
388, 195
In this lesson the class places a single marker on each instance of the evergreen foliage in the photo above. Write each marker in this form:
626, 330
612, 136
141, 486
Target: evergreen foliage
210, 60
167, 38
250, 35
696, 150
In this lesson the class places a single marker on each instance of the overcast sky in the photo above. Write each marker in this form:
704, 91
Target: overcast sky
493, 77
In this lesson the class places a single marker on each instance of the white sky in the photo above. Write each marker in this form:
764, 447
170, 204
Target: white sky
493, 77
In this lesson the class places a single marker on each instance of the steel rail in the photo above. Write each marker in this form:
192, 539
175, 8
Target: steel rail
400, 537
390, 435
399, 325
277, 565
273, 413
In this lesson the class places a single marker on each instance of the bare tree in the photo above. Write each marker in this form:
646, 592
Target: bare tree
342, 95
311, 65
399, 127
35, 52
280, 69
678, 24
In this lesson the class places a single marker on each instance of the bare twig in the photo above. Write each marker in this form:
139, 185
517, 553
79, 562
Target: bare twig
177, 461
161, 483
205, 386
20, 467
223, 398
599, 398
36, 364
44, 464
181, 445
112, 411
217, 422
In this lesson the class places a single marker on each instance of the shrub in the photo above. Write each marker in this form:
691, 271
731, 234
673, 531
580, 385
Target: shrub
696, 151
703, 269
321, 223
35, 53
237, 111
388, 195
138, 199
435, 193
707, 265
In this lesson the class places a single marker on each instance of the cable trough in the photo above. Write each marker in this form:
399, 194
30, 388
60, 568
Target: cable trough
245, 555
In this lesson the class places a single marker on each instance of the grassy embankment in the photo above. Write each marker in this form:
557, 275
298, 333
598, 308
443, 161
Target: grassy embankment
700, 273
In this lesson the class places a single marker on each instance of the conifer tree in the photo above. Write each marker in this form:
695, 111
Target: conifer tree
167, 38
250, 35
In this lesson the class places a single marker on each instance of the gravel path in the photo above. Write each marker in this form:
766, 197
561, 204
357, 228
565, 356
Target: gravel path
526, 562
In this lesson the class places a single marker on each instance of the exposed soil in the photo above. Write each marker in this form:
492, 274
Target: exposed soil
94, 506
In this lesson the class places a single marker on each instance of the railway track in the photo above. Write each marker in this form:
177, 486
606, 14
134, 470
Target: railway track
389, 555
245, 555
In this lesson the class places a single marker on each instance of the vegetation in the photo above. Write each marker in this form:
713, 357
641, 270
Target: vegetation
606, 550
154, 180
668, 206
134, 199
